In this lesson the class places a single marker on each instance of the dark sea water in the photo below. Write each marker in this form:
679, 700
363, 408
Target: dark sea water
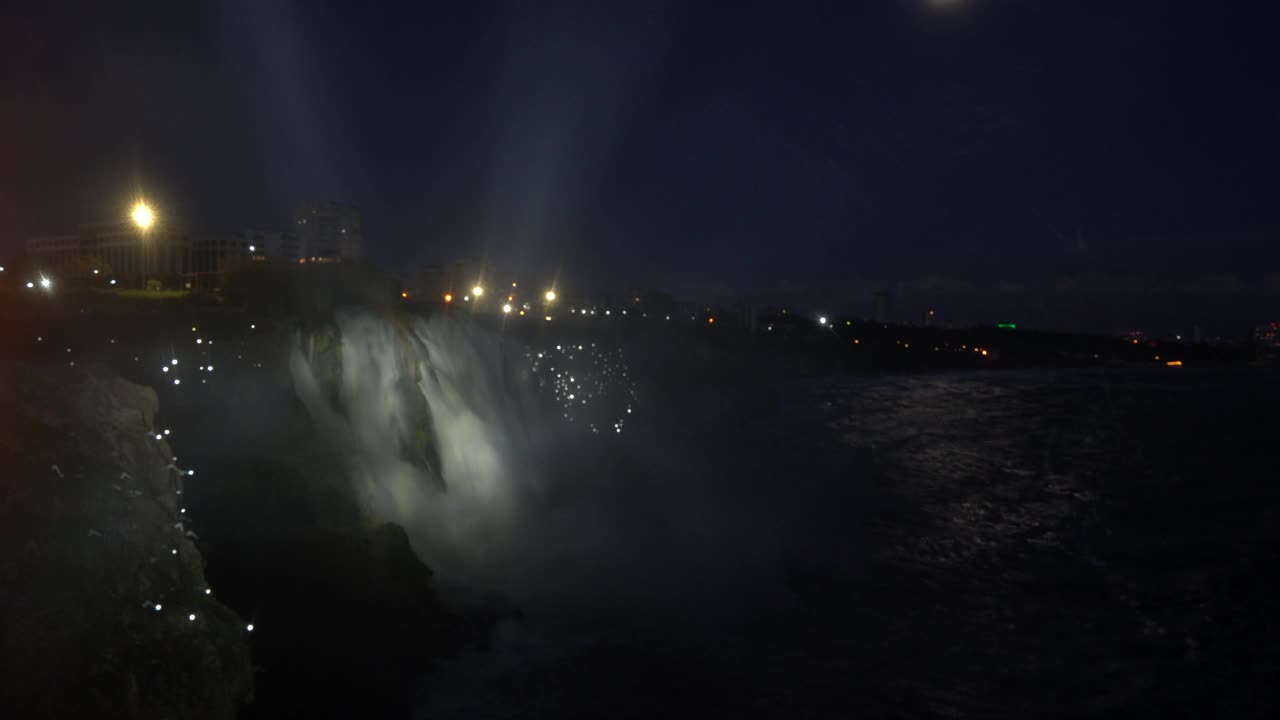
1024, 544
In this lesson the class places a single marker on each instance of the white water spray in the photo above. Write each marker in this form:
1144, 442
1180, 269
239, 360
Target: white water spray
462, 388
522, 495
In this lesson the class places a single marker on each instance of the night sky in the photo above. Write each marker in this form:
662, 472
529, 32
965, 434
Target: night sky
1080, 164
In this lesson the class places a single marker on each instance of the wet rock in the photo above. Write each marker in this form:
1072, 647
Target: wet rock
103, 596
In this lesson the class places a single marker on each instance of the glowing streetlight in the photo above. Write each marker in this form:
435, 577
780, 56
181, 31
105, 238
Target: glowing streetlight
506, 308
142, 216
551, 295
822, 320
477, 291
45, 283
448, 297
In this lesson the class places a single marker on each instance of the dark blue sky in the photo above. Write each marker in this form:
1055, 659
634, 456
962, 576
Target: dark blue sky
1094, 164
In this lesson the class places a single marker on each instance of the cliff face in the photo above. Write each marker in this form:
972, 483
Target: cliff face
102, 589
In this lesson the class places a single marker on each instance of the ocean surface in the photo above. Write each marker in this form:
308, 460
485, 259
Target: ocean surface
1059, 544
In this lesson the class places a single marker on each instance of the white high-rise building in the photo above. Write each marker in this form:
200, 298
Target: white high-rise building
329, 231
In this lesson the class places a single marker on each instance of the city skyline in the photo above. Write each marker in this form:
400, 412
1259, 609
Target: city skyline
1091, 167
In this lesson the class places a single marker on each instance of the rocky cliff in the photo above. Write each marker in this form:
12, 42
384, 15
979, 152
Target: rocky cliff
106, 609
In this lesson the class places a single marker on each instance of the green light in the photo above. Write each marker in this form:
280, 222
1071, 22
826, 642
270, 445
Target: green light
1008, 326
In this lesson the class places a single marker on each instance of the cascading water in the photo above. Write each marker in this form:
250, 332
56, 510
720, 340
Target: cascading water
437, 427
510, 469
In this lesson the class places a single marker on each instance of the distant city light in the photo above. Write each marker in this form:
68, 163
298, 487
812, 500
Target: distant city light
252, 248
448, 297
1007, 326
548, 318
506, 308
477, 291
31, 285
113, 282
711, 321
46, 283
404, 293
95, 271
249, 627
522, 313
822, 320
1174, 363
551, 295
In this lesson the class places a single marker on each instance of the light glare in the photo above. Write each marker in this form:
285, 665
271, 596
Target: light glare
142, 215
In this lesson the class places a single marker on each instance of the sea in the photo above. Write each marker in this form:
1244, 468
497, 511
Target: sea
1045, 543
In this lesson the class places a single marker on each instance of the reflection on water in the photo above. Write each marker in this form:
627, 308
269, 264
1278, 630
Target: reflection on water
1049, 544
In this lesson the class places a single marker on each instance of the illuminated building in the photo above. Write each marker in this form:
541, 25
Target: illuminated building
118, 250
329, 231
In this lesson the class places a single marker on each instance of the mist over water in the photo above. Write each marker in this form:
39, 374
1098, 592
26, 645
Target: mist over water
528, 493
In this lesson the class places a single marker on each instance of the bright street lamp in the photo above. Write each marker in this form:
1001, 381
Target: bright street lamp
142, 216
551, 295
46, 283
477, 291
506, 308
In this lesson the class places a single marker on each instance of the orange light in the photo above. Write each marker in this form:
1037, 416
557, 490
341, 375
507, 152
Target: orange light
448, 297
711, 321
855, 341
510, 298
404, 294
1174, 363
984, 353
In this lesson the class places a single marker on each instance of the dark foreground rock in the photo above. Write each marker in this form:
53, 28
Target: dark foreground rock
106, 609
